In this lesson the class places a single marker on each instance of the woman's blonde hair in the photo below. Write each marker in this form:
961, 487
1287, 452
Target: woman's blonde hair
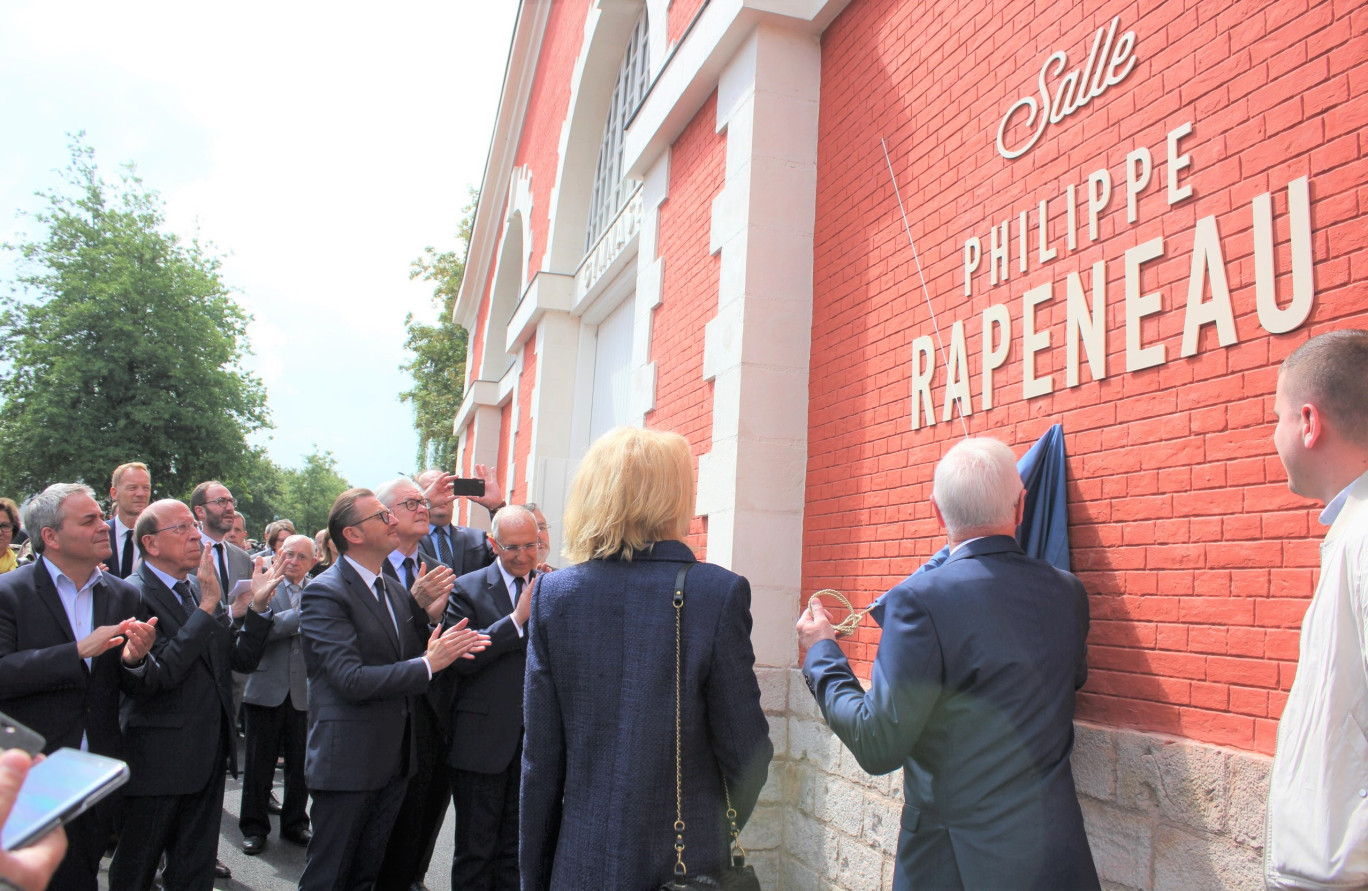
634, 487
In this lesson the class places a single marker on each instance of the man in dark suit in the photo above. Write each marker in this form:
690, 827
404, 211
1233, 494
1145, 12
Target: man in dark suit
369, 655
130, 490
179, 729
411, 842
274, 705
972, 694
462, 548
70, 640
487, 715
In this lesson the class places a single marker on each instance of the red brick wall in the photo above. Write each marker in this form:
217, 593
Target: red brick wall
522, 444
1198, 560
475, 354
548, 106
681, 13
689, 287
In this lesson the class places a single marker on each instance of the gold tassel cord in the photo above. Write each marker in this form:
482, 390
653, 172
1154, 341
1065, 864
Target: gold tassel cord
848, 625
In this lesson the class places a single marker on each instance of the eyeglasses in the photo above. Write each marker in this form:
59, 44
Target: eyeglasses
6, 527
514, 549
544, 527
178, 529
385, 514
222, 502
412, 504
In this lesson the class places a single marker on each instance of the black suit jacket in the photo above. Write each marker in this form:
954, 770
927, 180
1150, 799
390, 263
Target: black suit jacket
114, 563
972, 694
487, 708
470, 549
437, 697
174, 722
43, 682
362, 681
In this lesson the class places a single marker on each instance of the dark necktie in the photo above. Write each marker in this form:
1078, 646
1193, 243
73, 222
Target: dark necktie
187, 598
384, 605
443, 536
223, 572
518, 584
126, 561
409, 578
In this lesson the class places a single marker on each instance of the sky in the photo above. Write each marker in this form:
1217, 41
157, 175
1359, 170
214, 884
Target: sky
318, 147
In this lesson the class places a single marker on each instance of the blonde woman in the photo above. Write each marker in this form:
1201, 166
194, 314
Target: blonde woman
599, 766
9, 524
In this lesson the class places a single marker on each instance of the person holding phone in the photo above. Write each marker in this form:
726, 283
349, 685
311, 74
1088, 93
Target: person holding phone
70, 642
31, 868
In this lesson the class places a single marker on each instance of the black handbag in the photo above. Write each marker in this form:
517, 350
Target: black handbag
736, 875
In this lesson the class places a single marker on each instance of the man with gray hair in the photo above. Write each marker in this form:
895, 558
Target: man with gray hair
487, 712
70, 643
1317, 803
972, 694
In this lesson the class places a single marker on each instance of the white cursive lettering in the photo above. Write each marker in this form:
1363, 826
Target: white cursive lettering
1109, 62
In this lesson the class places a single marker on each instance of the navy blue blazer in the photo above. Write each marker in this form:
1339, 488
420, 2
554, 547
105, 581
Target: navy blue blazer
972, 694
186, 705
362, 681
469, 548
600, 715
487, 706
44, 684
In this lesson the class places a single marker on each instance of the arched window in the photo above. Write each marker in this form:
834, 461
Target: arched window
611, 189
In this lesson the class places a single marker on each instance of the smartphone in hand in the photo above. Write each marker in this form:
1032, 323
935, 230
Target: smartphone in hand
58, 789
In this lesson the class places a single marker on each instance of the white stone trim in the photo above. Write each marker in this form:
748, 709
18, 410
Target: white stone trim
756, 350
524, 53
655, 188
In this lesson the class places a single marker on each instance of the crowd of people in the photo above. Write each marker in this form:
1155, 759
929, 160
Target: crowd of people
599, 726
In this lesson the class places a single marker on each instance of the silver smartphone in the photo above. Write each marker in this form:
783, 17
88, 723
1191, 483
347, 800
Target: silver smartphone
57, 789
14, 735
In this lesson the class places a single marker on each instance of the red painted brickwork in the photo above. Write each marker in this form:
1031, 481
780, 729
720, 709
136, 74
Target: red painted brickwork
522, 443
1198, 559
689, 287
538, 148
475, 353
681, 13
547, 106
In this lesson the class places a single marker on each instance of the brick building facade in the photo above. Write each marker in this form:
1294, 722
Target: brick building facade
1124, 217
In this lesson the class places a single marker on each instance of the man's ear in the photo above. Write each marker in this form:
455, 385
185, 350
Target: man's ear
352, 534
935, 508
1021, 507
1312, 425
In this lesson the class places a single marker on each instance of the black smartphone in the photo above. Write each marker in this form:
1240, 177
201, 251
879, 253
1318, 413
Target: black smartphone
469, 487
58, 789
14, 735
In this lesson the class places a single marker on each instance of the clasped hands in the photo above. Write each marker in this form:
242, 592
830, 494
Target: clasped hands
258, 596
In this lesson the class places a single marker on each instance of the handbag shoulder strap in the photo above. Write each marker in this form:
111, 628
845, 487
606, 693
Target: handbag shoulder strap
680, 870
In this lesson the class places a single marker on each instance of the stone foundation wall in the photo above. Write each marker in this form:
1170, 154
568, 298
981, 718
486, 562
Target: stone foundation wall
1162, 813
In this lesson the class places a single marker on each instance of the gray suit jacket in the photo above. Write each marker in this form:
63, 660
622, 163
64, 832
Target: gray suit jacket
281, 670
239, 566
362, 681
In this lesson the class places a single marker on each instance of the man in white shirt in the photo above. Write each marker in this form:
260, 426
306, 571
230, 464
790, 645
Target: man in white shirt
429, 580
1317, 823
70, 643
130, 490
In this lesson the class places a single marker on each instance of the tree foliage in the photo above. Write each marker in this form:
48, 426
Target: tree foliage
439, 351
120, 342
309, 492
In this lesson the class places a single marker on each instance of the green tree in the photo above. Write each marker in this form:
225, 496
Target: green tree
307, 494
120, 342
439, 351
